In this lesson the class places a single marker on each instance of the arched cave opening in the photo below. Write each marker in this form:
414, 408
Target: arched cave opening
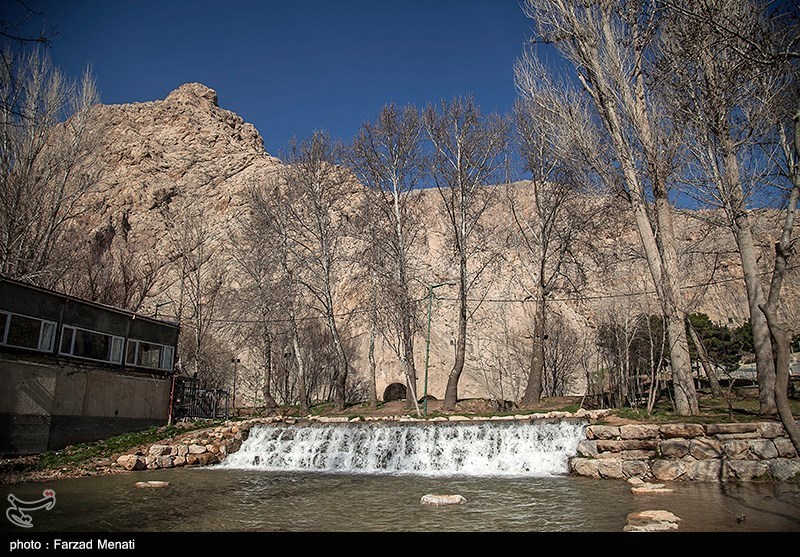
394, 391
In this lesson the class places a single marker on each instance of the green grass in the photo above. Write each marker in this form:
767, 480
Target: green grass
84, 452
738, 409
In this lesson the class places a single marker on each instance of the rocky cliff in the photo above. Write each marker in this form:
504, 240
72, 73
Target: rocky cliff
185, 159
180, 155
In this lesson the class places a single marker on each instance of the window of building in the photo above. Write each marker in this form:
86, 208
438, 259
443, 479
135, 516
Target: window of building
21, 331
149, 354
91, 345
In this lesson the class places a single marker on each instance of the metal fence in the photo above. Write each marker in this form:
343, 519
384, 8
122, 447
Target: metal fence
189, 400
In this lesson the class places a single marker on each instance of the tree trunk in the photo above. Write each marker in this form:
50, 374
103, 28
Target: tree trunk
733, 194
781, 347
407, 359
782, 350
713, 380
451, 394
373, 394
373, 333
341, 366
266, 388
765, 361
533, 390
301, 373
340, 374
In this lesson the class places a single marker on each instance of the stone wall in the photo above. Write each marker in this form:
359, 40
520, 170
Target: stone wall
670, 452
688, 452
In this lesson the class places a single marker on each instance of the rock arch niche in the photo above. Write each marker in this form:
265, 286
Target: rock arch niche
395, 391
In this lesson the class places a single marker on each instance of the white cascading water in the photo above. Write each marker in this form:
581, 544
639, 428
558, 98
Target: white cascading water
474, 449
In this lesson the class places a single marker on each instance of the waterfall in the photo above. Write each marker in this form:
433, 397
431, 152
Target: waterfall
489, 448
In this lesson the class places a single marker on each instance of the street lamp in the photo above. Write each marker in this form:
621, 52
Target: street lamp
234, 361
428, 339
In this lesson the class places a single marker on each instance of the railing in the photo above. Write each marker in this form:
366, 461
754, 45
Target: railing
189, 400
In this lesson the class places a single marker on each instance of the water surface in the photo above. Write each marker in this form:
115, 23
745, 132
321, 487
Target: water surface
232, 500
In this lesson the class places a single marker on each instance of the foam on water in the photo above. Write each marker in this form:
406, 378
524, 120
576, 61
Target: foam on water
534, 449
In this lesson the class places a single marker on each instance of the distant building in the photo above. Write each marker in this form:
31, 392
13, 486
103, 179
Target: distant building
73, 371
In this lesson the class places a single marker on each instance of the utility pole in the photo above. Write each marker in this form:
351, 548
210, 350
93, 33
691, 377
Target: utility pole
234, 361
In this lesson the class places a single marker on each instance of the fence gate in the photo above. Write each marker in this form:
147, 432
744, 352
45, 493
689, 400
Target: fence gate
189, 400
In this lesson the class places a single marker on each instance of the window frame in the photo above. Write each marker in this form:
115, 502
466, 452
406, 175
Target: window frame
7, 316
165, 349
108, 360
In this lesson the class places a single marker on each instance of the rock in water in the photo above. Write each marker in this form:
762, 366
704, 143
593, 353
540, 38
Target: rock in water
152, 483
651, 521
435, 499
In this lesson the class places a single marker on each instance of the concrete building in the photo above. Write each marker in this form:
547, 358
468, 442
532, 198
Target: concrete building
73, 371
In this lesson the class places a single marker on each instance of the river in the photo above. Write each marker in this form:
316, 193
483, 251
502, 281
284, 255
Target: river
371, 478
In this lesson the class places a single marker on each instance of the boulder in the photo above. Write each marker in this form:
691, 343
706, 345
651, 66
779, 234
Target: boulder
152, 483
651, 521
686, 431
587, 448
744, 470
437, 499
639, 431
771, 430
667, 470
602, 432
706, 447
717, 429
159, 450
610, 468
648, 489
132, 462
586, 467
707, 470
784, 469
674, 448
764, 449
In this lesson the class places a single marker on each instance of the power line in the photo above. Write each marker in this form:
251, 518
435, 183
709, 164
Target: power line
527, 299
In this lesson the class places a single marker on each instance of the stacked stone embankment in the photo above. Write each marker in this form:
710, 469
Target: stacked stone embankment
667, 452
210, 446
688, 452
199, 448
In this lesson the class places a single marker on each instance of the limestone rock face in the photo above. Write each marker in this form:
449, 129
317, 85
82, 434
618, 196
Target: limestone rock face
165, 160
183, 159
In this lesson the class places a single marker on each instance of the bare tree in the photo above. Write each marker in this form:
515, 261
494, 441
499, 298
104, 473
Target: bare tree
271, 229
117, 275
318, 217
554, 212
708, 365
760, 41
717, 96
609, 45
787, 124
198, 276
258, 307
563, 356
633, 346
22, 28
45, 141
468, 150
17, 21
386, 156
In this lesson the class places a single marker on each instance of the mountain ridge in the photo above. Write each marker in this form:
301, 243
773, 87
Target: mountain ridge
165, 163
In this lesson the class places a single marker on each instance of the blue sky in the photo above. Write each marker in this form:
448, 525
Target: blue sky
291, 67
